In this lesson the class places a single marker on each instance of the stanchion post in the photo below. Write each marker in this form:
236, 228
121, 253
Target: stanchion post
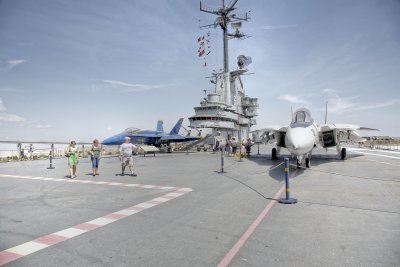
52, 150
222, 162
287, 199
19, 148
258, 149
51, 160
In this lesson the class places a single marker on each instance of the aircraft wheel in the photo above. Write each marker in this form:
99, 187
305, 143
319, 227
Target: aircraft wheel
298, 164
274, 154
343, 154
198, 149
308, 163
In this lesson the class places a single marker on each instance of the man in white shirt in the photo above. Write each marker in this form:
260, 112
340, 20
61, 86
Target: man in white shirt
125, 152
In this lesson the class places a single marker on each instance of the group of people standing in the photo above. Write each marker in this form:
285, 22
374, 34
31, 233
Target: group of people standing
233, 146
27, 153
96, 151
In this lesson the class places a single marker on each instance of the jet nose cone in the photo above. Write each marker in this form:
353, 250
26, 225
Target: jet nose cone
299, 140
114, 140
106, 141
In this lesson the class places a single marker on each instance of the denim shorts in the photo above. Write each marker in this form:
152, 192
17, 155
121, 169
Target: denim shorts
95, 162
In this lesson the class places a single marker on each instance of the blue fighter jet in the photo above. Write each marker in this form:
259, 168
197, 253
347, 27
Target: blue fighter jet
147, 137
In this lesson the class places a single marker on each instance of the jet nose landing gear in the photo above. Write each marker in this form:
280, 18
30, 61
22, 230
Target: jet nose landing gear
307, 162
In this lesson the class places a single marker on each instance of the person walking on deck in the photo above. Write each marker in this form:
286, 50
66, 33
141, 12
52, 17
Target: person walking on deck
126, 156
95, 153
72, 154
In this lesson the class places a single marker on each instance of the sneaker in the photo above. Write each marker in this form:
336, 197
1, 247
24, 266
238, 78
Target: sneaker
93, 174
134, 174
122, 174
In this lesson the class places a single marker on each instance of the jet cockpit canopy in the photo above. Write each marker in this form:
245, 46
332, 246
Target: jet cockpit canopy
301, 118
131, 130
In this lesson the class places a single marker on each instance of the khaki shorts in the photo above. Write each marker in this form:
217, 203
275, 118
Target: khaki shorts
127, 161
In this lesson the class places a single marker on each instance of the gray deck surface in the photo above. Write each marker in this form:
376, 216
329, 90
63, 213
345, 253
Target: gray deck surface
348, 212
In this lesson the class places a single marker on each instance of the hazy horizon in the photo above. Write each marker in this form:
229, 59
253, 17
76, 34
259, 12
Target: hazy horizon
83, 70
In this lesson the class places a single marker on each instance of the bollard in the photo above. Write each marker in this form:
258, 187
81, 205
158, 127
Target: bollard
222, 162
258, 149
51, 161
287, 199
52, 150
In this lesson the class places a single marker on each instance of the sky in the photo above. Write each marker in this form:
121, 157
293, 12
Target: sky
79, 70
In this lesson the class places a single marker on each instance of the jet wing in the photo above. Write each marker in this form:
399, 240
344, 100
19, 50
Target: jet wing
145, 135
271, 135
178, 138
348, 127
332, 134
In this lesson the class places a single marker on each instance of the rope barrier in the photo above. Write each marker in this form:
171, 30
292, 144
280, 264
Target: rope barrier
289, 200
347, 175
273, 168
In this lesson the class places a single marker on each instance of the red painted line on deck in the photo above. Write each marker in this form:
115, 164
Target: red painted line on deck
86, 226
115, 216
239, 244
6, 257
49, 240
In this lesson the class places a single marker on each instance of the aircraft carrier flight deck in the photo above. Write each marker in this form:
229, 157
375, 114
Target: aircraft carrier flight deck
182, 211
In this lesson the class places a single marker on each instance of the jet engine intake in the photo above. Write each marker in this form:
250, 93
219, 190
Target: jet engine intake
280, 139
329, 139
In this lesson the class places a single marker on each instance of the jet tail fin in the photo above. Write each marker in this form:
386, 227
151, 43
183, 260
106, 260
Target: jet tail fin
160, 127
177, 127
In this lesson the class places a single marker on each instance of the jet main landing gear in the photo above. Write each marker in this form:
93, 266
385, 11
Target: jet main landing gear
274, 154
308, 163
343, 154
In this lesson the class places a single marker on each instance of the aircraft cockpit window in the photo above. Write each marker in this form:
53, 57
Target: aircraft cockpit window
131, 130
301, 119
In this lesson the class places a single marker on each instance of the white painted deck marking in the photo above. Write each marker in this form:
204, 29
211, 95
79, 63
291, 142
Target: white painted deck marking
70, 232
374, 154
43, 242
27, 248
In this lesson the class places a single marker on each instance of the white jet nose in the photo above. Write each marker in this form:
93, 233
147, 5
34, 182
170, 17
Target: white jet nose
299, 140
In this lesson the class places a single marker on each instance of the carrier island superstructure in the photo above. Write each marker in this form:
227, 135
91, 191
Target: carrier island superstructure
227, 111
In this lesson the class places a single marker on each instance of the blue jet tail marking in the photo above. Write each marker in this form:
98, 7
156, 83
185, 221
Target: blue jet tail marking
160, 127
177, 127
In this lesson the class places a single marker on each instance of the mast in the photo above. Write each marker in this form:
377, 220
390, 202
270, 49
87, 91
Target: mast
225, 16
227, 111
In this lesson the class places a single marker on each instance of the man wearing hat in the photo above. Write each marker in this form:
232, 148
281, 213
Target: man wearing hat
126, 152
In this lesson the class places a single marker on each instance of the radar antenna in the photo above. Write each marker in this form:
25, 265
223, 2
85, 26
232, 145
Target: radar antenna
225, 17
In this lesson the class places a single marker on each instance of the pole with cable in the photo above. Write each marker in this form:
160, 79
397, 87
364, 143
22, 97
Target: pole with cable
287, 199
